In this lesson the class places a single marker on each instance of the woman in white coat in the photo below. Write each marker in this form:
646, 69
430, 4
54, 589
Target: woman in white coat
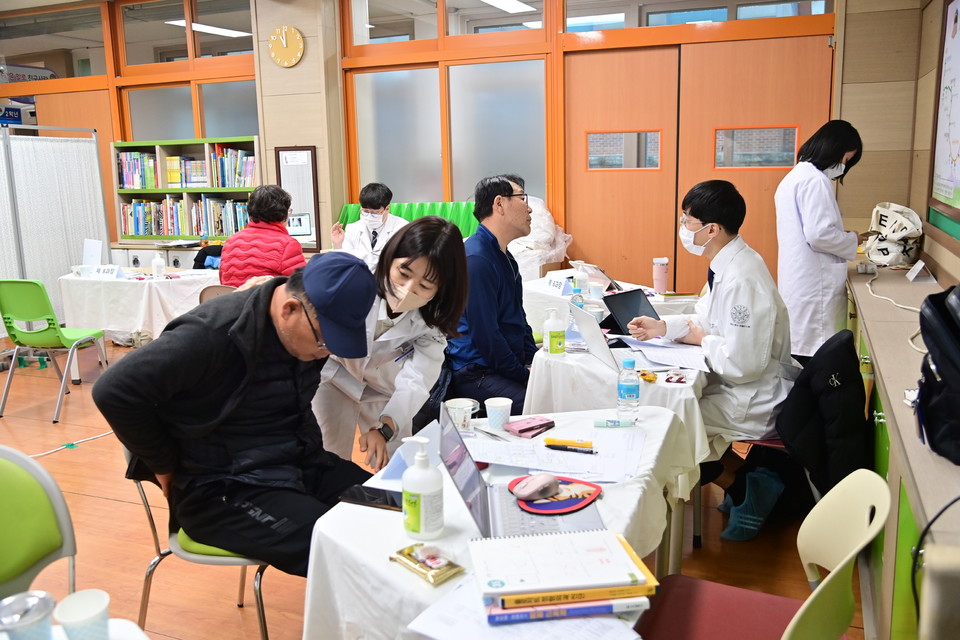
813, 246
422, 290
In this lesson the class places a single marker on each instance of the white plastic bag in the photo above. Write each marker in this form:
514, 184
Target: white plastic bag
546, 243
899, 230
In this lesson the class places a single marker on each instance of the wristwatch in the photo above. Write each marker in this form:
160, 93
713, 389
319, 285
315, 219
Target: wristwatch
386, 431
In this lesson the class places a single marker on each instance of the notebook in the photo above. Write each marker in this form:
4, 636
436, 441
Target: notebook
572, 563
493, 507
624, 307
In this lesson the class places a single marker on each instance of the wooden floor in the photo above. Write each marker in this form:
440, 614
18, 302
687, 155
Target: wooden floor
198, 602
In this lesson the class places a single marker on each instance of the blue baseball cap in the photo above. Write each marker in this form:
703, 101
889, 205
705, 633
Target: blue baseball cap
341, 289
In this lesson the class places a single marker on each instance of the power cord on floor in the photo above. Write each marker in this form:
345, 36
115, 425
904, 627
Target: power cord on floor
917, 552
70, 445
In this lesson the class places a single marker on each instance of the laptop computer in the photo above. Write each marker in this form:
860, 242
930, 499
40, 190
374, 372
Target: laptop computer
593, 337
624, 307
493, 507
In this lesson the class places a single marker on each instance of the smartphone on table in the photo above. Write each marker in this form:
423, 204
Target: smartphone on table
373, 497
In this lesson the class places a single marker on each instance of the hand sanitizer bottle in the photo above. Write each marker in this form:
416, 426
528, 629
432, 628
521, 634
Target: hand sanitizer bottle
554, 334
422, 496
159, 265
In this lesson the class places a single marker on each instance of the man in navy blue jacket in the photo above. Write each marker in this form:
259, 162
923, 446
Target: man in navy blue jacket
495, 348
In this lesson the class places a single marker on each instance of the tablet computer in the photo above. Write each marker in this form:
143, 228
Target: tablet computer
624, 307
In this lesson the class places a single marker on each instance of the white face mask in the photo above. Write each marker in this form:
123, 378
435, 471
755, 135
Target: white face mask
686, 239
404, 300
373, 220
835, 171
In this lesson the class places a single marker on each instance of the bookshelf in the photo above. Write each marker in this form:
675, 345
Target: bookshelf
183, 189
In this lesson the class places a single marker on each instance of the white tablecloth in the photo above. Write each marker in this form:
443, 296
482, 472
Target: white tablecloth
354, 591
538, 296
127, 305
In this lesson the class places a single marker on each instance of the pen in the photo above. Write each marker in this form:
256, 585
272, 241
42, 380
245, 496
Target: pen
582, 444
563, 447
404, 355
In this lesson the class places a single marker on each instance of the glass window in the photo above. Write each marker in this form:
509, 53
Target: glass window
161, 114
782, 9
769, 147
45, 46
230, 109
154, 32
398, 132
484, 16
623, 150
390, 21
599, 15
662, 18
223, 27
496, 124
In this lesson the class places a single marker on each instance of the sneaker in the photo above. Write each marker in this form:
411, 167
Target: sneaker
763, 490
726, 505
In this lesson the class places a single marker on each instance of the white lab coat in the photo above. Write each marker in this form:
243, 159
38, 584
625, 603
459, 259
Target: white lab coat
356, 239
812, 258
394, 380
748, 349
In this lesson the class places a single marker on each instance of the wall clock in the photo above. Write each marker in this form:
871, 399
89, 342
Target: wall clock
286, 45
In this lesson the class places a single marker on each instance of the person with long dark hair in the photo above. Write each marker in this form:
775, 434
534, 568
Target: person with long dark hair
813, 246
422, 289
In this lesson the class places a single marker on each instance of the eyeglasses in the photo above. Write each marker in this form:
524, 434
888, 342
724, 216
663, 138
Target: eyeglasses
316, 335
522, 196
684, 218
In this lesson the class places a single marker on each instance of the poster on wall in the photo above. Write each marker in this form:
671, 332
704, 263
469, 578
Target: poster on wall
946, 164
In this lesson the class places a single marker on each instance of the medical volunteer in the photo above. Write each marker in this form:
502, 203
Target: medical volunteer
367, 237
813, 246
422, 290
743, 327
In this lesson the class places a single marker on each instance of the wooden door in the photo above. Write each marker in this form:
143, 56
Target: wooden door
781, 83
621, 218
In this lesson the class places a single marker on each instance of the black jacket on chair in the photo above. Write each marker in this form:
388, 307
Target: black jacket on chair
822, 421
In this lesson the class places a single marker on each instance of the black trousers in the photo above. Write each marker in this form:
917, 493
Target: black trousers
479, 383
271, 524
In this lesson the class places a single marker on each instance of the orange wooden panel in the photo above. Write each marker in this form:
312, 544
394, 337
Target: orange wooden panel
759, 83
87, 110
621, 220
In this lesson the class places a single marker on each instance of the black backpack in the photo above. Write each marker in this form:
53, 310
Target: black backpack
938, 398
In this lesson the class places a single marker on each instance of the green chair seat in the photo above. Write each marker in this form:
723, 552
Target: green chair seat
192, 546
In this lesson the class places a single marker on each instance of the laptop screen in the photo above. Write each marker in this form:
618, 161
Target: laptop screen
466, 476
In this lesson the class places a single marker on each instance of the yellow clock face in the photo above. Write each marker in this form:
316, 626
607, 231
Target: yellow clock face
286, 45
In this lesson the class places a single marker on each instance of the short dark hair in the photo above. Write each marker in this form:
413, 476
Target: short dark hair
441, 243
268, 203
829, 144
716, 201
375, 196
487, 191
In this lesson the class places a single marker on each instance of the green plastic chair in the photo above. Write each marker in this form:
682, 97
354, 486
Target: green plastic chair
832, 535
27, 301
36, 529
186, 548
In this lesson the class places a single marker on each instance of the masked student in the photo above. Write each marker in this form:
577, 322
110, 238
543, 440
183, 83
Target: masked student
367, 237
422, 290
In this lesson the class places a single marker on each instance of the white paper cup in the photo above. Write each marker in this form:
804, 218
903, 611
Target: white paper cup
84, 615
461, 410
26, 616
596, 291
498, 411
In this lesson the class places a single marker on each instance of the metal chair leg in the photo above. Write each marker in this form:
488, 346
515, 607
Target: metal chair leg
147, 582
243, 585
6, 387
697, 516
63, 383
258, 594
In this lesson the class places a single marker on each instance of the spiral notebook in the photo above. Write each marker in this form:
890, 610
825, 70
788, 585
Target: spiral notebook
554, 568
493, 507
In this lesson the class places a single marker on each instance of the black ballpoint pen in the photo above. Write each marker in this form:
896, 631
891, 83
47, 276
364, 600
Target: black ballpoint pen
563, 447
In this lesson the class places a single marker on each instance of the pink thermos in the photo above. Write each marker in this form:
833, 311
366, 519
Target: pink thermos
660, 274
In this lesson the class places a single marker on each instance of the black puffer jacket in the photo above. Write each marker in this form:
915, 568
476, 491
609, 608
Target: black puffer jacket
822, 421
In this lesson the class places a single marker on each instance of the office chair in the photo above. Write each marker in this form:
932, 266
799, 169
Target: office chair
36, 529
838, 527
215, 290
183, 546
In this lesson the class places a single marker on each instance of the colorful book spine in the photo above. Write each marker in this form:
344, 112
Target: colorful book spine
496, 615
576, 595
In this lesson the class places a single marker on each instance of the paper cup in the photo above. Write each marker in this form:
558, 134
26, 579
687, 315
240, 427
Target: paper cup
84, 615
596, 291
498, 411
26, 616
461, 410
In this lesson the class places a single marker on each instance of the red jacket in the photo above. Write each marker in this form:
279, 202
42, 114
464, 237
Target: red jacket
261, 249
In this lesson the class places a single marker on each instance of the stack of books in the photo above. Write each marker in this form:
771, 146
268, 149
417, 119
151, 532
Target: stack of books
559, 575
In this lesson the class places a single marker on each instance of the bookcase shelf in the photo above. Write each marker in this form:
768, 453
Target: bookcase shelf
184, 189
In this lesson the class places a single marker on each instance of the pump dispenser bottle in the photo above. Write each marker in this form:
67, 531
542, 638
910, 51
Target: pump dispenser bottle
554, 334
422, 495
158, 265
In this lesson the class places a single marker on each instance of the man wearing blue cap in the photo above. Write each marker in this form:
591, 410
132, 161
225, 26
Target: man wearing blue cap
218, 409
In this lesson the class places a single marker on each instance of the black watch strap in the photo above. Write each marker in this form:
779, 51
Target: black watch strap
386, 431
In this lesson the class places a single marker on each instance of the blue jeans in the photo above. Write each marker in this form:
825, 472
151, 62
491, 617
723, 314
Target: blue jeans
478, 382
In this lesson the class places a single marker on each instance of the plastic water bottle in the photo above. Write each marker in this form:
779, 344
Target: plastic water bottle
628, 393
581, 279
577, 298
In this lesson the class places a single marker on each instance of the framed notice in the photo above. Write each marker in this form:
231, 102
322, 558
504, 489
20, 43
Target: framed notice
945, 189
297, 174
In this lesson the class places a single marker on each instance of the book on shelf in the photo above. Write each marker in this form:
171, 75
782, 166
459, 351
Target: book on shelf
497, 615
137, 170
558, 568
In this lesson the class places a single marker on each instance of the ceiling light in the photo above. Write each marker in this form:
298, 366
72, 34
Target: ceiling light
510, 6
217, 31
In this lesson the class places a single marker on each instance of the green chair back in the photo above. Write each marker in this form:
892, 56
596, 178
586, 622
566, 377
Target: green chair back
27, 301
459, 213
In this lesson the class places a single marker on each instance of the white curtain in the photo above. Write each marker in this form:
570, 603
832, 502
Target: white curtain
59, 201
